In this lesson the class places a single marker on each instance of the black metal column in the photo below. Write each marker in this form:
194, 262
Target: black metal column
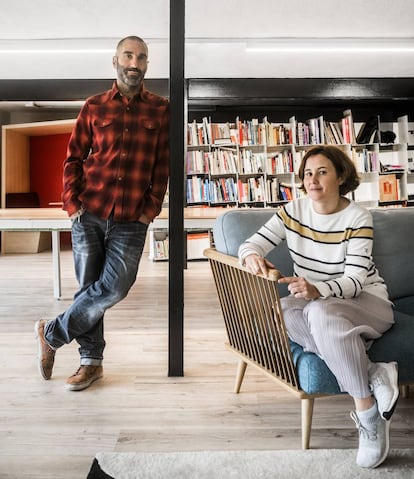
176, 195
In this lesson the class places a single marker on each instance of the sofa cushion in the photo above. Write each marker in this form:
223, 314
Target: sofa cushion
242, 223
235, 226
397, 344
393, 250
405, 305
313, 374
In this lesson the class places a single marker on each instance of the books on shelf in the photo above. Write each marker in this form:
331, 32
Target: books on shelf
388, 188
197, 162
312, 131
223, 161
392, 168
272, 190
348, 128
333, 133
277, 134
199, 134
316, 131
279, 162
223, 190
251, 190
159, 245
198, 189
285, 192
365, 160
250, 132
223, 134
252, 161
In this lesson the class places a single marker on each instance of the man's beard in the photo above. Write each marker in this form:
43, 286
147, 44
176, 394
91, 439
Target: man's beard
131, 80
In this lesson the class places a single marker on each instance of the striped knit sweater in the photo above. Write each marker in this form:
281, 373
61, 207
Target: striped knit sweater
333, 251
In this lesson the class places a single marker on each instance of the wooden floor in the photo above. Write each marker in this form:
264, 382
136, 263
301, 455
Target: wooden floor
48, 432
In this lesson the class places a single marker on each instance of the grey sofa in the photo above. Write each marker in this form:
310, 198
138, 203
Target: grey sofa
394, 256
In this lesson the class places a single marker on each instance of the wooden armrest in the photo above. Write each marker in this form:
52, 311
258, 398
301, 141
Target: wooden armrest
212, 253
253, 316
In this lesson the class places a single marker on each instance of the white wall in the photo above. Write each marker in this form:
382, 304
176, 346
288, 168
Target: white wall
217, 32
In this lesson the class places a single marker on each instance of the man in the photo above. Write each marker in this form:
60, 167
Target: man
114, 180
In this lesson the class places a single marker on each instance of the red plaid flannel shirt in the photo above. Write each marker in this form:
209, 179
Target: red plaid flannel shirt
118, 156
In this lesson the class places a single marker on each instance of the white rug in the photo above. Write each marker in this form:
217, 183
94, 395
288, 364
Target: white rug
309, 464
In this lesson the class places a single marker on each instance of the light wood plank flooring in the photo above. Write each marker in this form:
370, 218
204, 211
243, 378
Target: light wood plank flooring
48, 432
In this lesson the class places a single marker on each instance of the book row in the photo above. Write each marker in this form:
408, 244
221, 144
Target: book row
227, 161
313, 131
230, 190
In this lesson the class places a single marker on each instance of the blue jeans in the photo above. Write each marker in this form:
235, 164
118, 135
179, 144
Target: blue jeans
106, 256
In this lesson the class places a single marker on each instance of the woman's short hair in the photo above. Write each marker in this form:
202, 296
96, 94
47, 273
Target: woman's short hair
343, 164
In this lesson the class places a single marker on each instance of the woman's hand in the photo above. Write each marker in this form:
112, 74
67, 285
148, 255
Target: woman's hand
257, 265
300, 288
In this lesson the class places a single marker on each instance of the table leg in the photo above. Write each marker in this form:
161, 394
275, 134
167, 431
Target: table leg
57, 284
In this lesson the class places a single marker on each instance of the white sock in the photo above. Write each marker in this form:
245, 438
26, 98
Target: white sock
369, 417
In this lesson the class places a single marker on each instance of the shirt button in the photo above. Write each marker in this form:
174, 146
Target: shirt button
126, 129
120, 178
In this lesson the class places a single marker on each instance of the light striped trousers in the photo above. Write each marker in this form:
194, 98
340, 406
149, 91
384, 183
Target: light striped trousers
340, 331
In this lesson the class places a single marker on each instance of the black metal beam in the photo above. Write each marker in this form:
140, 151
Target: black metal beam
225, 98
274, 90
65, 89
222, 99
176, 195
264, 91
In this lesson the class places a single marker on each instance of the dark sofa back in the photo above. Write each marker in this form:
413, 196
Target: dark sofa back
393, 253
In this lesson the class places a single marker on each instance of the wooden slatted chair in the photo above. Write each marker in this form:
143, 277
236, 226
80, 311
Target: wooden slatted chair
256, 330
251, 307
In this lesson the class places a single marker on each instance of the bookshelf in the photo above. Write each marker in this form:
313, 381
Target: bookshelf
406, 132
244, 164
252, 163
158, 245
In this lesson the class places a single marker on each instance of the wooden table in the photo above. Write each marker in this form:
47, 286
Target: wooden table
56, 220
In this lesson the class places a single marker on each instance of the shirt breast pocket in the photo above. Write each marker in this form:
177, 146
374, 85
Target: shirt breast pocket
105, 133
103, 122
151, 126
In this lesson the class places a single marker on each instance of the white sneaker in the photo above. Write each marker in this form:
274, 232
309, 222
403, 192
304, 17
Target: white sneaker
383, 382
374, 441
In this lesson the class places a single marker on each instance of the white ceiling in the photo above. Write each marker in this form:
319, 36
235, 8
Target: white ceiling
217, 33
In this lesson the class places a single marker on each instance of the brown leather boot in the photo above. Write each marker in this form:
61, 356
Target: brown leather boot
46, 355
84, 377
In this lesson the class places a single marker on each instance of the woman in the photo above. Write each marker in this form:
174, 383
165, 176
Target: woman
338, 303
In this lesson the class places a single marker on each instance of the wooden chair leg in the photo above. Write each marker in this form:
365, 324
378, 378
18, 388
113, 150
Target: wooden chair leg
241, 369
307, 413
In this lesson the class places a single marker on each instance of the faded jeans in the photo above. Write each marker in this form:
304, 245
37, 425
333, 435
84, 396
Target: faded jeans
106, 256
